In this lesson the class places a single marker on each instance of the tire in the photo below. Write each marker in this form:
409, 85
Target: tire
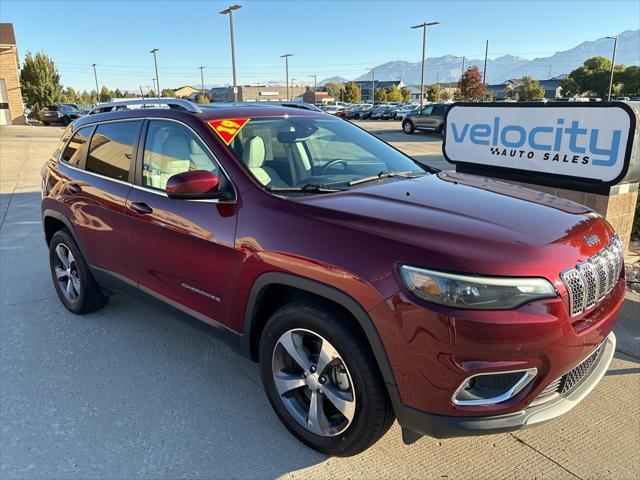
352, 377
440, 130
46, 124
407, 127
76, 287
65, 121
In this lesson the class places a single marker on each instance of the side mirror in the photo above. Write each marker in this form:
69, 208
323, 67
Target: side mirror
195, 184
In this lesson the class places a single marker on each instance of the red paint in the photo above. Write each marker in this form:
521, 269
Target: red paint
193, 182
354, 241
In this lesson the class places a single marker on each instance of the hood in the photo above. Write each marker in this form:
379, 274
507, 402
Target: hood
469, 223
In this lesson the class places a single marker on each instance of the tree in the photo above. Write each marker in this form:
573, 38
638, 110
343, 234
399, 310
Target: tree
530, 89
471, 86
406, 94
491, 96
445, 95
334, 89
105, 94
351, 93
569, 87
593, 77
381, 95
117, 93
202, 99
434, 93
69, 95
169, 93
630, 79
39, 81
394, 94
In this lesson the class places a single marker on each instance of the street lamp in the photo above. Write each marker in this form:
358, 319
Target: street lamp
95, 76
424, 26
155, 61
286, 70
153, 82
229, 11
315, 88
202, 78
613, 64
373, 87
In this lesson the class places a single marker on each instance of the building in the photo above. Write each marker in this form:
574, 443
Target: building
256, 93
365, 87
317, 98
11, 106
552, 87
184, 92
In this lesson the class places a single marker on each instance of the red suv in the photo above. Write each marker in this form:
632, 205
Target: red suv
368, 287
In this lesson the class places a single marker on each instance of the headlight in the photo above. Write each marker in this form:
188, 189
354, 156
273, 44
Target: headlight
477, 293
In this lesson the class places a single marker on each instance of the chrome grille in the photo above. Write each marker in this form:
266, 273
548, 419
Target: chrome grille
566, 383
590, 281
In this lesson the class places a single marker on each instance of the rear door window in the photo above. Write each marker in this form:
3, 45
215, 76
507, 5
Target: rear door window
111, 149
75, 148
439, 110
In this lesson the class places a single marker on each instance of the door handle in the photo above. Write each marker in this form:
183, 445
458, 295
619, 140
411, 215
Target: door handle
74, 189
141, 208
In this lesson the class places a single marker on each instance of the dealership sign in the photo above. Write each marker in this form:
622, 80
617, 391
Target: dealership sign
587, 142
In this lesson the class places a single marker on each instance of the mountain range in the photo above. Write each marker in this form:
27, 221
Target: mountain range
449, 67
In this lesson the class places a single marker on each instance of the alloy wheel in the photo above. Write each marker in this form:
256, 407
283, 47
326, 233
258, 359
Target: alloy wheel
66, 272
313, 382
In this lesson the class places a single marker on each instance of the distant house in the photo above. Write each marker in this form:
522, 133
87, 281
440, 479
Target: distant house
184, 92
365, 87
552, 89
11, 107
317, 98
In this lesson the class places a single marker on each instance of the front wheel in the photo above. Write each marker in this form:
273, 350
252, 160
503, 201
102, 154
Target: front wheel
407, 127
322, 381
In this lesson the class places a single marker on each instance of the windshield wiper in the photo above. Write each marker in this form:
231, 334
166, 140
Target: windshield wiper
309, 187
383, 174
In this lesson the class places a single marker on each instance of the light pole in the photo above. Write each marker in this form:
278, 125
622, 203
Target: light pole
153, 82
462, 71
95, 76
613, 64
201, 78
484, 70
286, 70
423, 26
373, 87
315, 88
229, 11
155, 61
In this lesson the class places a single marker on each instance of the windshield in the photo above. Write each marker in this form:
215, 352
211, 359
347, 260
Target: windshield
302, 151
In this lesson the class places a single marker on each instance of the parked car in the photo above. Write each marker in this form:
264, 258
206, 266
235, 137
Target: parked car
63, 113
367, 287
378, 112
365, 113
429, 118
331, 109
406, 110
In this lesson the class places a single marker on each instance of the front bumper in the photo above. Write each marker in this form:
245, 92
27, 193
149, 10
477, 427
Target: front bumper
418, 422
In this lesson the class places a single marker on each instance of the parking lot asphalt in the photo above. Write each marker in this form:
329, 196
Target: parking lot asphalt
130, 392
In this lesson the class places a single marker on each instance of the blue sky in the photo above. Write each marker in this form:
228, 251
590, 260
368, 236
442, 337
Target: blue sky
327, 38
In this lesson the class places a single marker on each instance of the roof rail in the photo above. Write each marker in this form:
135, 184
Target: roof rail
172, 103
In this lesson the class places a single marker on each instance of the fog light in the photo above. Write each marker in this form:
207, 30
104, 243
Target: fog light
492, 388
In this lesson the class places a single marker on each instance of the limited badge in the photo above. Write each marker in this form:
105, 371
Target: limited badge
228, 128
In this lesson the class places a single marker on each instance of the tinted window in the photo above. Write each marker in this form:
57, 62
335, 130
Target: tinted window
169, 149
112, 148
438, 110
74, 149
427, 110
52, 108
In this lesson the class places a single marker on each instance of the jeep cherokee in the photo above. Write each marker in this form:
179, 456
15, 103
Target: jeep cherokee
368, 287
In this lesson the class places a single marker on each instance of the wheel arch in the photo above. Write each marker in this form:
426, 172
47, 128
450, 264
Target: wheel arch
278, 281
52, 221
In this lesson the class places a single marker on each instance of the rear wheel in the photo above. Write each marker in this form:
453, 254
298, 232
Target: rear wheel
74, 284
408, 127
322, 381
